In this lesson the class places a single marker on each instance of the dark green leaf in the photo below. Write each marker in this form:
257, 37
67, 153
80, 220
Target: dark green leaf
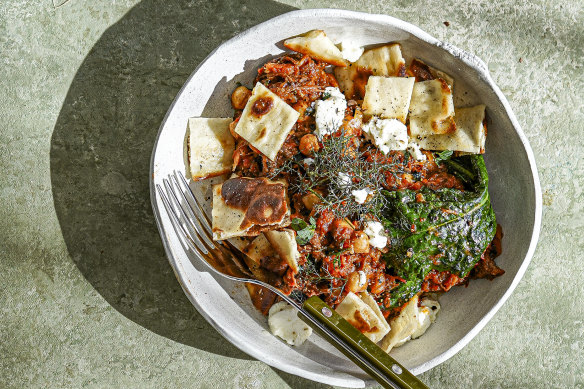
298, 224
304, 231
452, 228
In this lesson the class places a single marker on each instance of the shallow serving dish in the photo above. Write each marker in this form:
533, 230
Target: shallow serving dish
514, 188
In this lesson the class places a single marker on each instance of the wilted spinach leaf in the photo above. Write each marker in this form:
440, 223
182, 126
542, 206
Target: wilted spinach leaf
449, 230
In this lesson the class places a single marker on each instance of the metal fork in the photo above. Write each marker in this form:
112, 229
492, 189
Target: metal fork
193, 227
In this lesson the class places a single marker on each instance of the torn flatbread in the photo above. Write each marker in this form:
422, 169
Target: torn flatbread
284, 242
432, 108
259, 248
266, 121
469, 136
411, 323
386, 61
363, 317
210, 147
316, 44
247, 206
388, 97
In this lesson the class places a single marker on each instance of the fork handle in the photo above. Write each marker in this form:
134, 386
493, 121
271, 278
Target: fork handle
356, 346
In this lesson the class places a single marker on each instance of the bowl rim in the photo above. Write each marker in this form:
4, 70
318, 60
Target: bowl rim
469, 59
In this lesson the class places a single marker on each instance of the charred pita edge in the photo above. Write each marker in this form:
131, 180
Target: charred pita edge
284, 242
266, 121
247, 206
361, 316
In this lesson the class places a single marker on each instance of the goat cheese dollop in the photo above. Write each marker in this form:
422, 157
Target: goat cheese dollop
330, 111
386, 134
361, 195
414, 150
285, 323
374, 231
350, 51
343, 180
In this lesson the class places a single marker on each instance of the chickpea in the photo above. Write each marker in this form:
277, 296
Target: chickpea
356, 282
308, 144
360, 243
378, 284
310, 200
239, 97
341, 231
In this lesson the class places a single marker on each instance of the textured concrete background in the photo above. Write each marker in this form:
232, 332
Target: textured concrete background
87, 298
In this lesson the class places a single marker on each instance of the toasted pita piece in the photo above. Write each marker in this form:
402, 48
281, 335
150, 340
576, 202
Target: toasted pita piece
363, 317
344, 76
424, 72
247, 206
388, 97
411, 323
266, 121
433, 108
471, 121
367, 299
316, 44
469, 137
259, 248
211, 147
385, 61
284, 242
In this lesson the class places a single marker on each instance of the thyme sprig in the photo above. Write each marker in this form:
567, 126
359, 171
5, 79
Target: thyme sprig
314, 273
336, 170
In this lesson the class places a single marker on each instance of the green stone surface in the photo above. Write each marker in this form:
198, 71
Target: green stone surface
87, 298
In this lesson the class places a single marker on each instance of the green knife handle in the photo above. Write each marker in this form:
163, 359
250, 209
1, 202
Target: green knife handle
357, 347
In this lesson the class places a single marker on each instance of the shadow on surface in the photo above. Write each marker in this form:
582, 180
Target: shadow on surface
100, 156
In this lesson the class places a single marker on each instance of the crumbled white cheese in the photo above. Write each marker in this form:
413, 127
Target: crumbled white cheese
330, 112
427, 312
386, 134
374, 231
343, 179
433, 306
308, 161
285, 323
362, 278
361, 195
414, 150
350, 51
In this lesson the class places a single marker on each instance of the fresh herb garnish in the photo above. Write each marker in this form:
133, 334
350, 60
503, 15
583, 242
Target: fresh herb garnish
313, 272
304, 231
325, 95
338, 169
337, 257
442, 156
406, 157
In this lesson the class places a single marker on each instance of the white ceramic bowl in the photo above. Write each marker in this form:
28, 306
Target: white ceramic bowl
514, 187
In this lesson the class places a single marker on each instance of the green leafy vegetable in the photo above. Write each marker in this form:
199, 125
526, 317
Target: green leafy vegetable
449, 230
442, 156
304, 231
